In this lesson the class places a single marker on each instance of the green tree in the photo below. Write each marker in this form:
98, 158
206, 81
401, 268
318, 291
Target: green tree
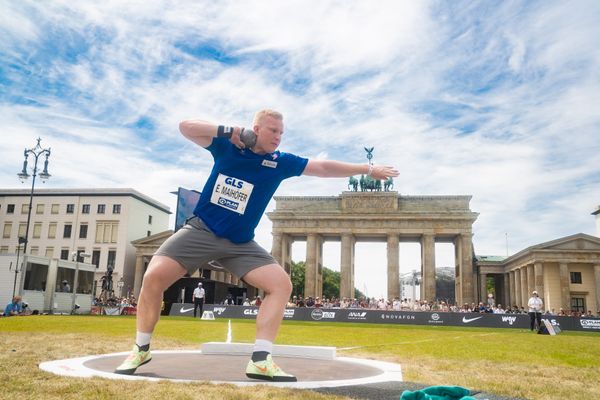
297, 277
331, 281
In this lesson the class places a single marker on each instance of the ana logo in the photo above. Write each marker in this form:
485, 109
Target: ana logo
357, 315
510, 320
219, 310
251, 311
234, 182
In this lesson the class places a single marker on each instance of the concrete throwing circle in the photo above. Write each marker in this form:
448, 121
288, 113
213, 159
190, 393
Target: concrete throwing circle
193, 366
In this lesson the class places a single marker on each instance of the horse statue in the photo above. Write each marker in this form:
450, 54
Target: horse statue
368, 183
388, 184
353, 184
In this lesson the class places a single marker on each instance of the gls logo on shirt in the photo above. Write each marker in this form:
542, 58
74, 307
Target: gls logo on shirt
231, 193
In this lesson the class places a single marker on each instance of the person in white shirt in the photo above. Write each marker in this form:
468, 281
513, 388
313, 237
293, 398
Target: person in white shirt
535, 305
198, 298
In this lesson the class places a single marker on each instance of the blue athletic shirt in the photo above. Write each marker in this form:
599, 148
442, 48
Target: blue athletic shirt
240, 186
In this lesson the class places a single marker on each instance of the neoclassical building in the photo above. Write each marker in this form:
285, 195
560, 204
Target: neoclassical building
565, 272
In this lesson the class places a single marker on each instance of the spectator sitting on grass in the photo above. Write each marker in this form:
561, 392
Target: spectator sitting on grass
14, 307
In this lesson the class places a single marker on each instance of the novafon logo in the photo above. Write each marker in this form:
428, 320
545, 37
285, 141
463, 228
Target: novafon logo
510, 320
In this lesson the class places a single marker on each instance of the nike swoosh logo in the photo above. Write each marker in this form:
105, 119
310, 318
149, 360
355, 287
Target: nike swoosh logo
184, 310
467, 320
261, 369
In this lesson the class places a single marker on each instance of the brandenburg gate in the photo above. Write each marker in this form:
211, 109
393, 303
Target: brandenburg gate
378, 216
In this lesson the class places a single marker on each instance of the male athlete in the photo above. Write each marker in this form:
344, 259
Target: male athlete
243, 180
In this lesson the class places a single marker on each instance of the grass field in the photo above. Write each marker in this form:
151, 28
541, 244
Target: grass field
508, 362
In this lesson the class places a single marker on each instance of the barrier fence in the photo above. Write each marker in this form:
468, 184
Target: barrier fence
396, 317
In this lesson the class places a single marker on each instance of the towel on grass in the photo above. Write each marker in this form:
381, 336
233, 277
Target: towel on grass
438, 393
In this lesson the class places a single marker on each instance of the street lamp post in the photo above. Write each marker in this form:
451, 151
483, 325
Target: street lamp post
120, 285
36, 152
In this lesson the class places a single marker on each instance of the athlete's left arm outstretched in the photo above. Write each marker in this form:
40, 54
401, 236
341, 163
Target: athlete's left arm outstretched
338, 169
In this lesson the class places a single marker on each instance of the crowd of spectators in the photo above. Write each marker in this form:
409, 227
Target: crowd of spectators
419, 305
115, 302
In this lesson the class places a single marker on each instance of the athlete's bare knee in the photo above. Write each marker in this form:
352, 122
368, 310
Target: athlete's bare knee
283, 288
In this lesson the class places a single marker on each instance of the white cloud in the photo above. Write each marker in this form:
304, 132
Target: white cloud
464, 98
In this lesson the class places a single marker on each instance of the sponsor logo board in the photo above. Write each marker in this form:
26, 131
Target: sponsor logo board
509, 319
357, 315
219, 310
435, 319
466, 320
318, 314
590, 323
398, 316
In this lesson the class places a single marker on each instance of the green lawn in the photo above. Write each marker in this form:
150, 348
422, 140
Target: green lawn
510, 362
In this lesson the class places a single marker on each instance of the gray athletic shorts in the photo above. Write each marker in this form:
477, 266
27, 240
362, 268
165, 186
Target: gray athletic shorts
194, 245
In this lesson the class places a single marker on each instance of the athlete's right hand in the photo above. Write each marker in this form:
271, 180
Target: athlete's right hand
243, 138
235, 138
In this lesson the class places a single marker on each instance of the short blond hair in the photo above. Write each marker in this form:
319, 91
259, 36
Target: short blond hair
267, 112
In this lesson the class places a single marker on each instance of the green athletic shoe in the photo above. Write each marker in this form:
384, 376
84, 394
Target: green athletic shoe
135, 359
267, 370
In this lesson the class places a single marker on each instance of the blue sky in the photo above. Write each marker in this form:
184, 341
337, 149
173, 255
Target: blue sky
494, 99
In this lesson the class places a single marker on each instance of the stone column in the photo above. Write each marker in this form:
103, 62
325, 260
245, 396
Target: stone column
393, 267
313, 276
286, 256
505, 291
139, 274
483, 288
428, 267
319, 288
517, 287
347, 266
538, 277
597, 286
466, 266
457, 272
277, 248
531, 282
512, 293
524, 294
565, 290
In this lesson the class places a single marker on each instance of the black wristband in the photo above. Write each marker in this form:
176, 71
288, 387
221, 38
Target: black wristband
224, 131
